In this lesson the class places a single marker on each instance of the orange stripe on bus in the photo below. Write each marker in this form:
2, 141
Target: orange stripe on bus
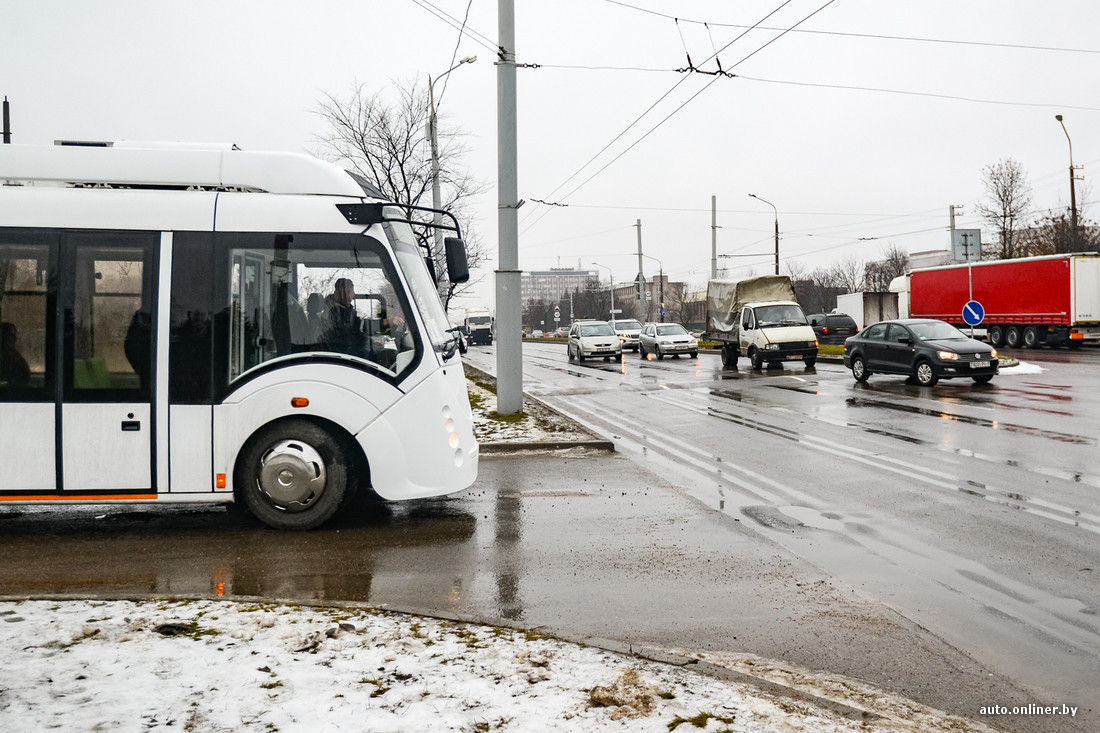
72, 497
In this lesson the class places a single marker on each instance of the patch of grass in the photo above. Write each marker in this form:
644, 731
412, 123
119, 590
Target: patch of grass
831, 350
509, 419
190, 629
667, 695
476, 401
271, 685
699, 721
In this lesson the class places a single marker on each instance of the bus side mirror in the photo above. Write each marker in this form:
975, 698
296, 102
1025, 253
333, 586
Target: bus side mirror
458, 268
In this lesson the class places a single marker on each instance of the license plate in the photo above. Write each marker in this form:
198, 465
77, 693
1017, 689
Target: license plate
791, 357
979, 364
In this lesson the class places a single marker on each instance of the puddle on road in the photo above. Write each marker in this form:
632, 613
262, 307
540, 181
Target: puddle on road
859, 402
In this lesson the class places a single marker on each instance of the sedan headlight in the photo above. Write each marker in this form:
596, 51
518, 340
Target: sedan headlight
948, 355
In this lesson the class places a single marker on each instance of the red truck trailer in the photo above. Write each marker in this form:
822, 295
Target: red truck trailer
1029, 302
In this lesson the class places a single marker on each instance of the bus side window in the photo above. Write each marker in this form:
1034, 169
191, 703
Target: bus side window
110, 312
23, 319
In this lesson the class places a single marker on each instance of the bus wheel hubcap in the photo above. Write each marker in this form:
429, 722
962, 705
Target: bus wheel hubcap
292, 475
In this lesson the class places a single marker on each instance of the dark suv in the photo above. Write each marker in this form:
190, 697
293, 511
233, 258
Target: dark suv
832, 328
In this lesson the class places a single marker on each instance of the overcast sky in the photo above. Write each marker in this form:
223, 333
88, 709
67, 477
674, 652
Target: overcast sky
861, 125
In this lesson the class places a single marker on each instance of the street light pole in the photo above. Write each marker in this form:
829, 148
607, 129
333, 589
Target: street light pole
611, 275
660, 285
433, 136
1072, 193
769, 203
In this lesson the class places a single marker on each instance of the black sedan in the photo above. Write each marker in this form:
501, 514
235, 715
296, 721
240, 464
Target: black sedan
925, 349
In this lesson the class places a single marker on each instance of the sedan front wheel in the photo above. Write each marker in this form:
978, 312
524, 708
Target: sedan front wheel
925, 375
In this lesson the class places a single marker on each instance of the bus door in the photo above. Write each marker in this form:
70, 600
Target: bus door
107, 295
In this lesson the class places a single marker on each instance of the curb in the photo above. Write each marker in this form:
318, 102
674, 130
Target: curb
594, 442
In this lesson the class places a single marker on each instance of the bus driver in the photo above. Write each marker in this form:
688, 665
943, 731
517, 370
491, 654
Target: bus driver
344, 330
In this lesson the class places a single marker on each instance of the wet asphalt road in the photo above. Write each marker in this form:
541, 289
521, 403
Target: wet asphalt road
943, 543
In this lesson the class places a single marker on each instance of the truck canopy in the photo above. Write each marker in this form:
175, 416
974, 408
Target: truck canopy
726, 298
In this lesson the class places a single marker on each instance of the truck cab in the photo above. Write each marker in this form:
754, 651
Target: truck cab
774, 332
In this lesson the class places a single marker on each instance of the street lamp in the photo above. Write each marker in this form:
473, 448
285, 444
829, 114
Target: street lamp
661, 285
1072, 194
769, 203
437, 217
611, 275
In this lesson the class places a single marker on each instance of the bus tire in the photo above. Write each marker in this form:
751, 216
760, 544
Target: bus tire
292, 474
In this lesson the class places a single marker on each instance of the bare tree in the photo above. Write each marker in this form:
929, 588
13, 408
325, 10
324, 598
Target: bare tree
816, 291
385, 142
849, 274
1009, 197
878, 274
1054, 235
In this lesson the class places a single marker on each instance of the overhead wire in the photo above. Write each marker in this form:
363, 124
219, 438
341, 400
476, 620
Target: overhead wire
638, 120
458, 25
684, 104
454, 54
873, 36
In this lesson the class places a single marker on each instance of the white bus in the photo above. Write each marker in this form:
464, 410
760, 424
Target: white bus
206, 324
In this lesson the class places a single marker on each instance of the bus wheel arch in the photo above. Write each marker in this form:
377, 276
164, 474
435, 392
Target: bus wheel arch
296, 473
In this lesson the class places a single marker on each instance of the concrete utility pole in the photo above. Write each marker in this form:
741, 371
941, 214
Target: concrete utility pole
509, 307
1072, 192
7, 122
713, 237
641, 277
952, 211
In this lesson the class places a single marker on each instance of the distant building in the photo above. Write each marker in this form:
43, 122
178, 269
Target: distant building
550, 286
930, 258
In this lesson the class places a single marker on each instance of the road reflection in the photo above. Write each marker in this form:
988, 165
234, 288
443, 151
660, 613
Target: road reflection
116, 553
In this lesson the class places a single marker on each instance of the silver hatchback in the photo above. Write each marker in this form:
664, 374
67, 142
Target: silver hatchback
660, 339
589, 339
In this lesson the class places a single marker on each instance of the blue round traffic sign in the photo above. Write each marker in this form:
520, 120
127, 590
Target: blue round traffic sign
973, 313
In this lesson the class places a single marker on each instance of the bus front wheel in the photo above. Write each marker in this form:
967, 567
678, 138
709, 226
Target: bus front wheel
292, 475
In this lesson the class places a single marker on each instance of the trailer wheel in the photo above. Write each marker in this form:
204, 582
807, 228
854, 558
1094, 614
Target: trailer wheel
997, 336
292, 475
729, 356
1012, 337
1031, 338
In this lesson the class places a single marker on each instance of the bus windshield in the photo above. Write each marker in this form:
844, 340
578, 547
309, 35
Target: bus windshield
421, 287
